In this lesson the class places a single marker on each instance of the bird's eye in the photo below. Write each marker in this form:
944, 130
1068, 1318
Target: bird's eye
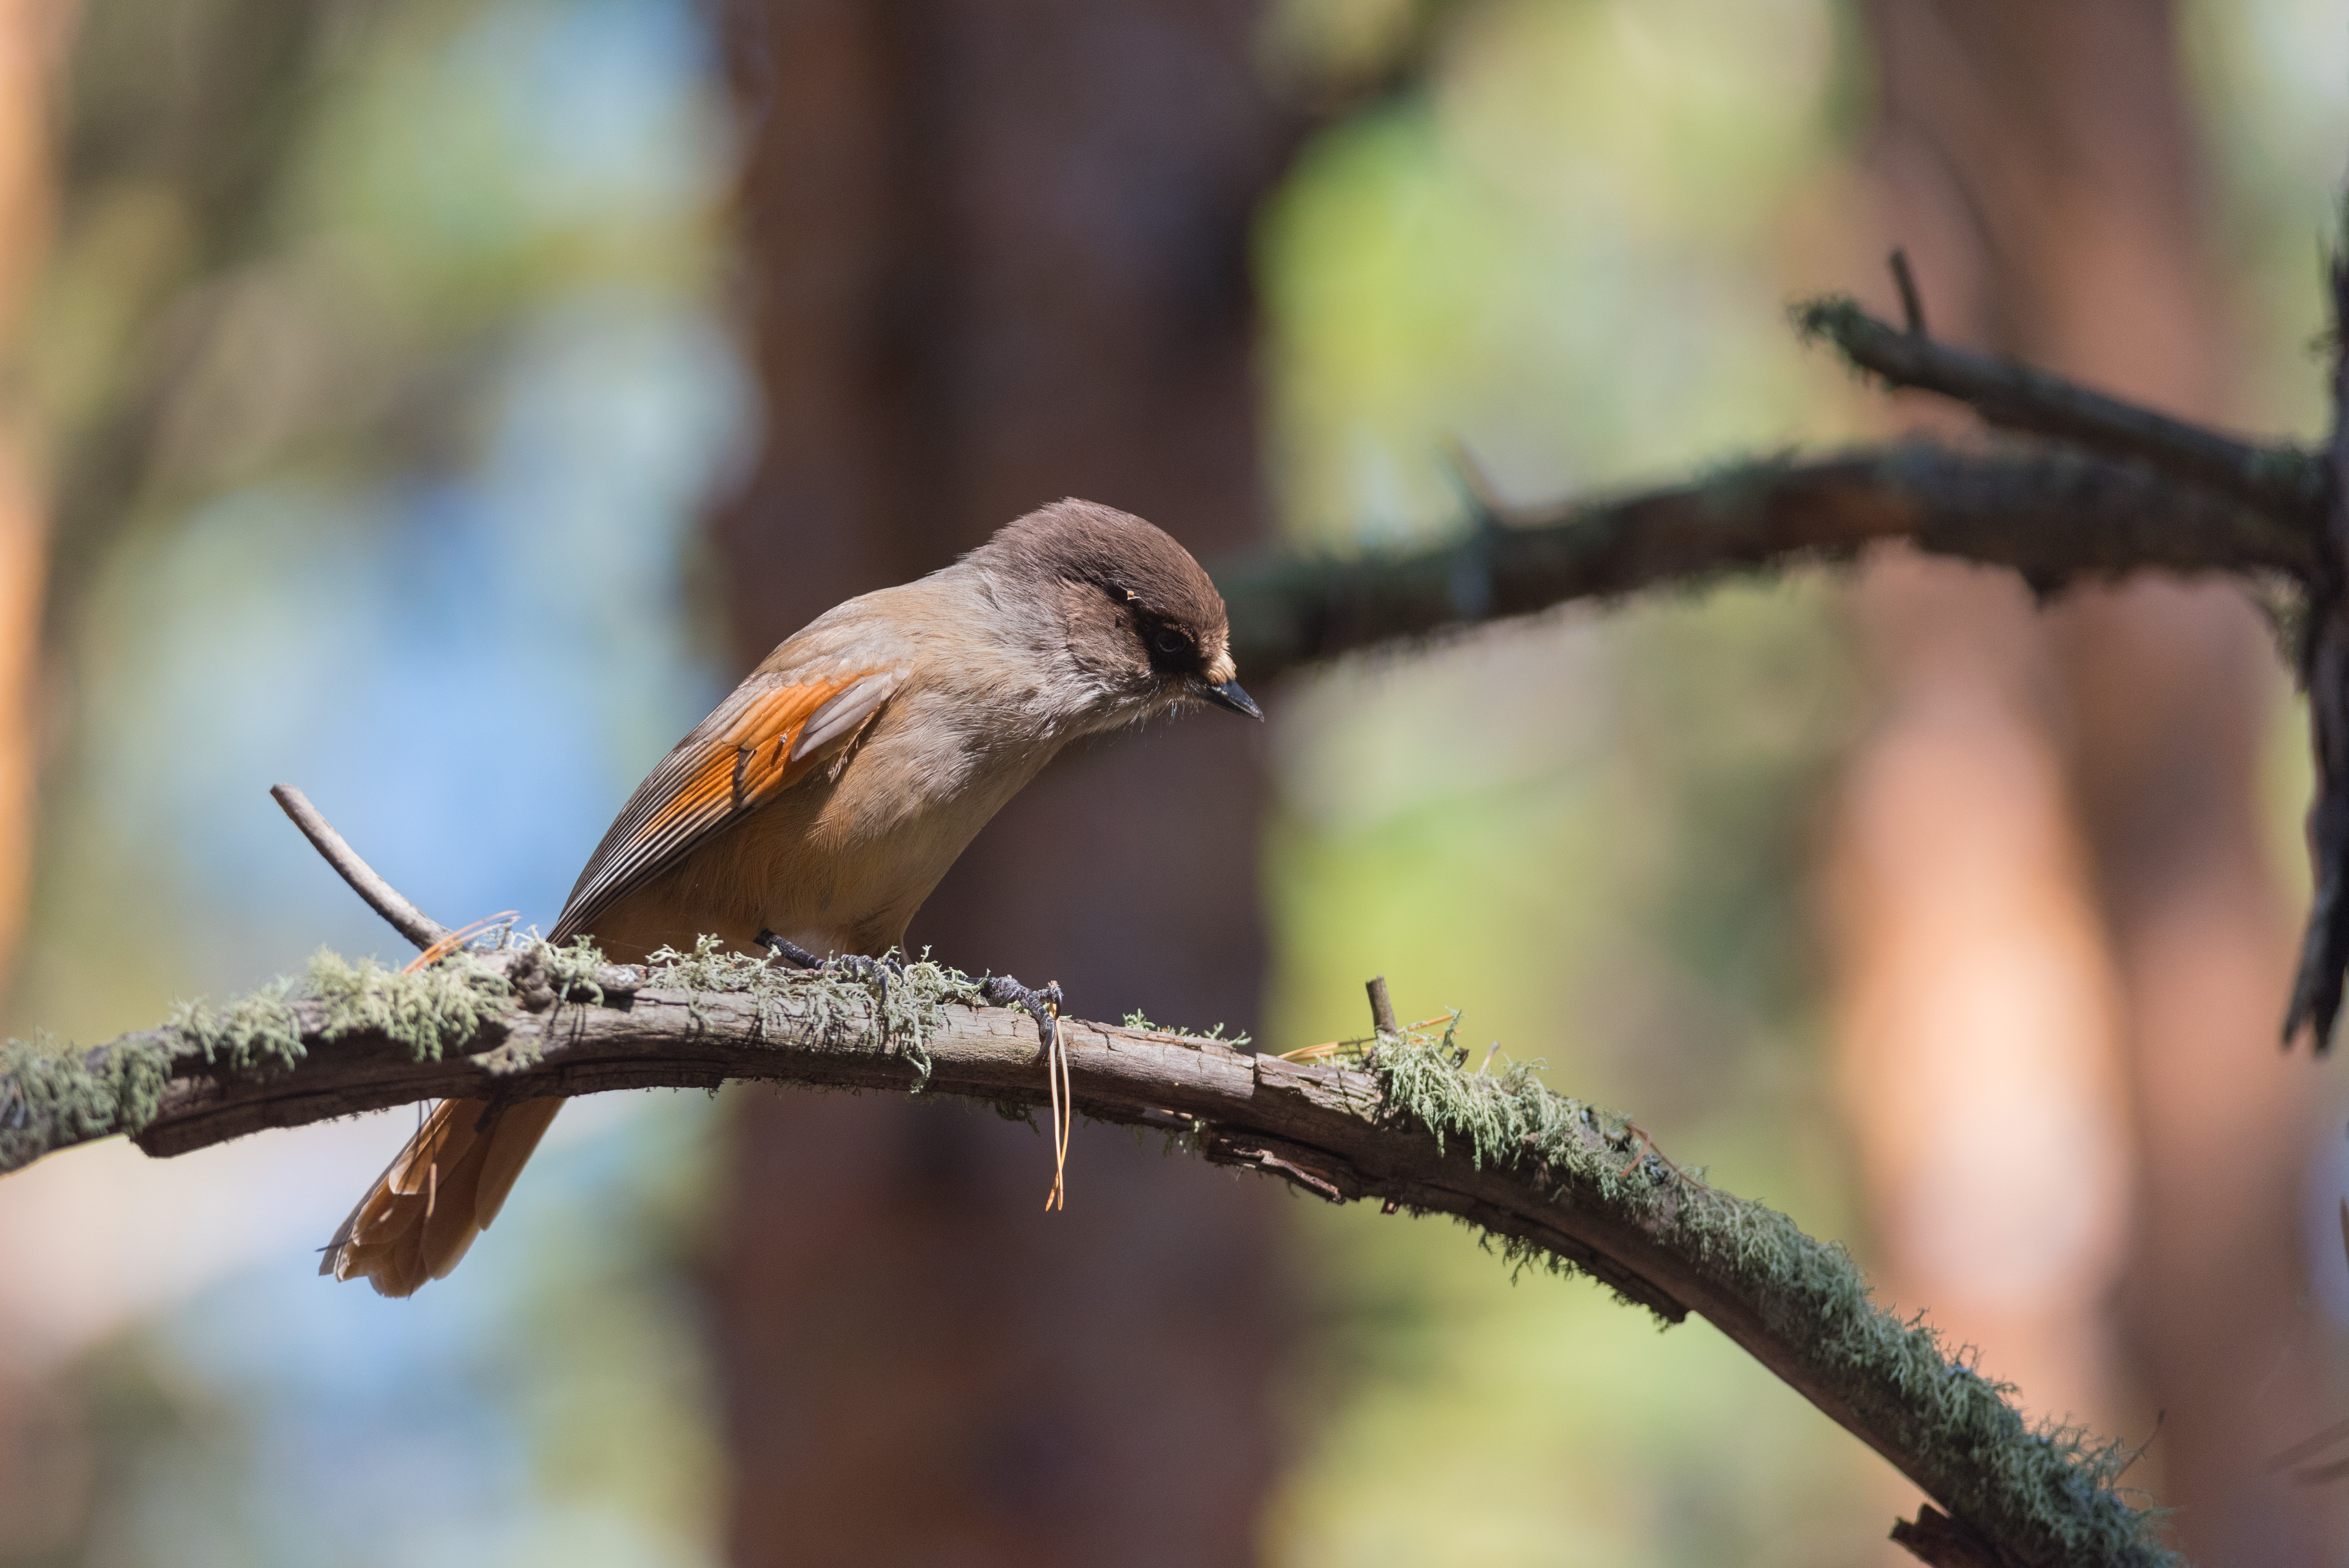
1167, 639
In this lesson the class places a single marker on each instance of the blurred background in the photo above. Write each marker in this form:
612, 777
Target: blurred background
438, 402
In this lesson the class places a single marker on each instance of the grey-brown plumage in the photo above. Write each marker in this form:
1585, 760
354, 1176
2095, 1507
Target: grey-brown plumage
824, 799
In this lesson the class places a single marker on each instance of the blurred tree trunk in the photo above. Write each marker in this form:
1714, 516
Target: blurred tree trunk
130, 196
2064, 955
142, 143
32, 34
37, 1503
995, 257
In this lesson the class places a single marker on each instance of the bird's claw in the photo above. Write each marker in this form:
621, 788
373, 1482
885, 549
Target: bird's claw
873, 974
1042, 1003
790, 952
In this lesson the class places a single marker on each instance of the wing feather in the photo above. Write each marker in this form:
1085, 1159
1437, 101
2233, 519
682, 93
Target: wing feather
845, 710
774, 731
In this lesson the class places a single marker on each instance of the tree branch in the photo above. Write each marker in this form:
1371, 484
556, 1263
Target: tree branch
1560, 1183
2283, 480
1556, 1178
2050, 513
2317, 987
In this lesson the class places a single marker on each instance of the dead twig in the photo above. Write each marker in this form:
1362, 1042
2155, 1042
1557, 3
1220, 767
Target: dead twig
2285, 481
1912, 304
379, 894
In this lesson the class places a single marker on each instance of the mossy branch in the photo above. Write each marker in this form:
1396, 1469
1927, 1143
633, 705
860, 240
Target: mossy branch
1558, 1182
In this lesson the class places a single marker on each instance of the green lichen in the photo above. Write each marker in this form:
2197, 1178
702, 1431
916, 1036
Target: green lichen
570, 969
1836, 317
52, 1095
1138, 1020
2048, 1491
430, 1011
252, 1034
908, 998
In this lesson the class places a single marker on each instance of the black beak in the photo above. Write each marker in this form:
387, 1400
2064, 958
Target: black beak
1229, 695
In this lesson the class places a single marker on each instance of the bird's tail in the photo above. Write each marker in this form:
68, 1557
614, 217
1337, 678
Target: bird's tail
438, 1194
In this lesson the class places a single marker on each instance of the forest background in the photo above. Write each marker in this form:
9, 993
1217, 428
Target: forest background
432, 402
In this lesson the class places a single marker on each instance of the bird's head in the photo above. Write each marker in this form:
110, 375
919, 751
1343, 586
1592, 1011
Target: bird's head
1143, 628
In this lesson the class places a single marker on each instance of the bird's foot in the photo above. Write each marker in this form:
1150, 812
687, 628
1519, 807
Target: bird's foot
1044, 1005
791, 952
873, 974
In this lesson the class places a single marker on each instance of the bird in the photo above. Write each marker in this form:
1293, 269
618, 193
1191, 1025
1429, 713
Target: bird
809, 816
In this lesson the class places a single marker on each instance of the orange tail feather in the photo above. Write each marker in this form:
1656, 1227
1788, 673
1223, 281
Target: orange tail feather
440, 1192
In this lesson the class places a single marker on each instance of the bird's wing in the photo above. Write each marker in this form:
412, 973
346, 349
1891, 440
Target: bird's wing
775, 729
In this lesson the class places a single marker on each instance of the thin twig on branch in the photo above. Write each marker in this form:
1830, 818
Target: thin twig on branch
1912, 301
2049, 512
2283, 480
379, 894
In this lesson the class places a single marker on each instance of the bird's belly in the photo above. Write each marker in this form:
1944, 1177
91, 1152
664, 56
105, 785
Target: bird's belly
841, 872
837, 866
857, 894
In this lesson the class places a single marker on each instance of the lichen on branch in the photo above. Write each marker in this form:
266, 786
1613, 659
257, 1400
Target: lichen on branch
2048, 1493
1558, 1182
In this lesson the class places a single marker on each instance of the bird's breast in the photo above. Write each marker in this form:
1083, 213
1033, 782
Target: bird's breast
850, 858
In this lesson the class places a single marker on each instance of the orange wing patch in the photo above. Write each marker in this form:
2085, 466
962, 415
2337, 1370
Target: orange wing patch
761, 740
750, 761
